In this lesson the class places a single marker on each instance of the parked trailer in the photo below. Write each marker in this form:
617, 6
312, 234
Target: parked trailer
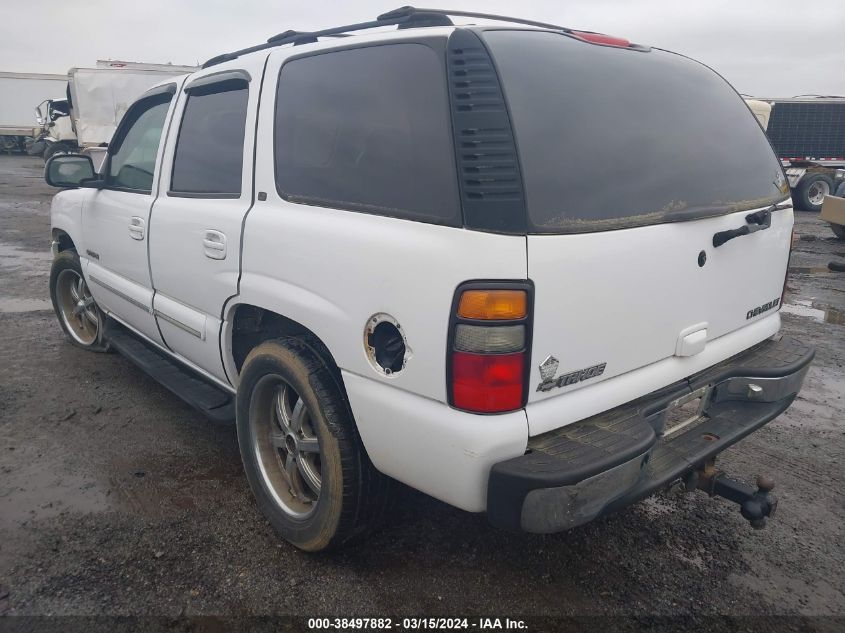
19, 92
809, 137
97, 99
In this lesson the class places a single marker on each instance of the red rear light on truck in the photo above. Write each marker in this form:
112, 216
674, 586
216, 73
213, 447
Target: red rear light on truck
792, 239
487, 383
489, 346
601, 38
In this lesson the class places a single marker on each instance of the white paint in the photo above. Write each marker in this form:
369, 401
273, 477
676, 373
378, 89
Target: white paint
622, 297
430, 446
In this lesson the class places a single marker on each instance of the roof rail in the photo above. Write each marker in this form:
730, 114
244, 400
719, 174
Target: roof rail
403, 17
410, 11
414, 18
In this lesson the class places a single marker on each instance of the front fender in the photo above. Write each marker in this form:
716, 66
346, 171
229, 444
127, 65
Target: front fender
66, 217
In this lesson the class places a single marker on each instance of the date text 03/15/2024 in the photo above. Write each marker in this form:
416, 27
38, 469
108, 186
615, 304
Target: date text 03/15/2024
413, 624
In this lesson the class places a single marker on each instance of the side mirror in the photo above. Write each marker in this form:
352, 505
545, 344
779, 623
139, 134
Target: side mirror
70, 170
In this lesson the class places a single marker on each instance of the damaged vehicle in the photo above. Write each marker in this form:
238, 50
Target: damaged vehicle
530, 271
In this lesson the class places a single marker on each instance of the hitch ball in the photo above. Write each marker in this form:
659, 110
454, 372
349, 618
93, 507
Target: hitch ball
754, 505
761, 504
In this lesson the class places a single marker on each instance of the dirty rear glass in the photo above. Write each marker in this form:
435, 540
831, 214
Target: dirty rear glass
612, 138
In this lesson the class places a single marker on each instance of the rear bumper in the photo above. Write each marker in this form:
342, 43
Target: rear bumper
576, 473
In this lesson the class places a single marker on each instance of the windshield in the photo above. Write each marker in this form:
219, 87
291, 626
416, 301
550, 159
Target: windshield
612, 138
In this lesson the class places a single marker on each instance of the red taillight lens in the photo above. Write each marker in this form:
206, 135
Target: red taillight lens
788, 261
487, 383
601, 38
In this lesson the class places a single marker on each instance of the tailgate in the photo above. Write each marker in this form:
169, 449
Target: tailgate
617, 301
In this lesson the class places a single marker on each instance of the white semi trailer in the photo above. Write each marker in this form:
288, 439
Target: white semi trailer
19, 92
808, 134
96, 99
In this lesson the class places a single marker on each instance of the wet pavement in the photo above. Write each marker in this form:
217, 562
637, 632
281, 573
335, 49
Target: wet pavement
117, 498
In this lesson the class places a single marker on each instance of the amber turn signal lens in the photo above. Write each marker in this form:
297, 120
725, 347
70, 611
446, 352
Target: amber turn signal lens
493, 305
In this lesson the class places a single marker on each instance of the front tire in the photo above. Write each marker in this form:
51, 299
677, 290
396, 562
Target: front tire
79, 316
302, 455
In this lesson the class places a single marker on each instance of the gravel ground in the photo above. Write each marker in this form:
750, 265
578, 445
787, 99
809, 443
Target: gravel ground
116, 498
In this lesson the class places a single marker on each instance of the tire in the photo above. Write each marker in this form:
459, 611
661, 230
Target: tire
289, 404
811, 191
57, 148
80, 318
840, 190
8, 143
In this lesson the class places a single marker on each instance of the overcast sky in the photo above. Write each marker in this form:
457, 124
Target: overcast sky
763, 47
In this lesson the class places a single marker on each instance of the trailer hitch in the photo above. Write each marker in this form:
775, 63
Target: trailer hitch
755, 505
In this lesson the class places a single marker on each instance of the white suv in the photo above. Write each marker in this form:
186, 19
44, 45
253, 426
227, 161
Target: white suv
524, 269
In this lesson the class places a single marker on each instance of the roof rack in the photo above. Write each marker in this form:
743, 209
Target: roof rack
410, 11
403, 17
414, 18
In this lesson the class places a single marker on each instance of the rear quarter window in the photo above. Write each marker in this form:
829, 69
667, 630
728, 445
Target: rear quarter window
612, 138
210, 146
368, 129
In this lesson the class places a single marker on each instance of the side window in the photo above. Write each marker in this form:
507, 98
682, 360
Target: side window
210, 148
368, 129
134, 149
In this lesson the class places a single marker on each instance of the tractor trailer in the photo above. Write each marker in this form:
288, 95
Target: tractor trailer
808, 134
19, 92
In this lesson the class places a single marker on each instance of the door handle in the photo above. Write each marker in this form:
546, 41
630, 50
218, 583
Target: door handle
214, 244
136, 228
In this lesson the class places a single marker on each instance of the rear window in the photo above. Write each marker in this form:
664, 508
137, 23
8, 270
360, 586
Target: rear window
210, 147
368, 129
613, 138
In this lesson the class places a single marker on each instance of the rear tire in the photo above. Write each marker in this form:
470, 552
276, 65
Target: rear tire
811, 191
301, 451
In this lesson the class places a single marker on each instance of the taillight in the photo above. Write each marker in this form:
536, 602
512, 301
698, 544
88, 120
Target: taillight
489, 341
792, 240
601, 38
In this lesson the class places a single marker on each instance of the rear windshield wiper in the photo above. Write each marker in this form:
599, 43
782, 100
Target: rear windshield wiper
756, 222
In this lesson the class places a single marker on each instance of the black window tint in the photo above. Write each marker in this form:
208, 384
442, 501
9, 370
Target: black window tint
133, 160
368, 129
210, 147
609, 137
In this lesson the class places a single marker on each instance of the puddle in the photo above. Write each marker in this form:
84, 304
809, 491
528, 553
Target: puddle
33, 262
12, 304
810, 310
161, 486
38, 488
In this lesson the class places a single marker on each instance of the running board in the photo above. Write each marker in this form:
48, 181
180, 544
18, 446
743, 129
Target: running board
217, 405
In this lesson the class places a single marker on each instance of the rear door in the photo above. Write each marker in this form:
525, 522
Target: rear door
195, 233
633, 160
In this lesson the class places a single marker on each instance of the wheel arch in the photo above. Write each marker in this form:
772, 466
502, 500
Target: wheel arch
250, 325
63, 240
